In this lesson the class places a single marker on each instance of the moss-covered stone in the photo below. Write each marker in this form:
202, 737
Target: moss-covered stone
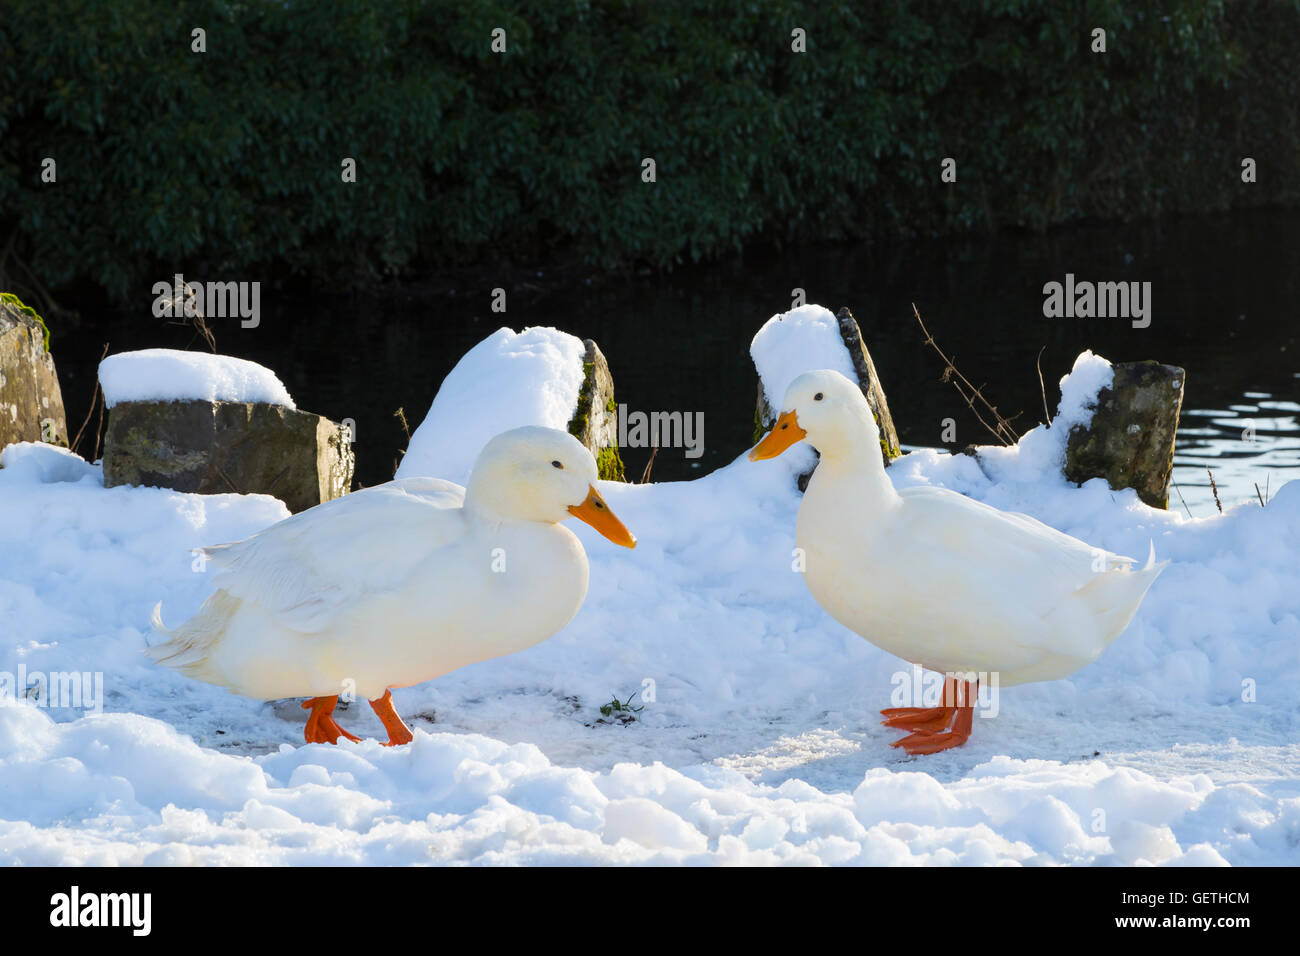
220, 447
8, 298
578, 424
609, 464
869, 382
1130, 439
761, 420
595, 419
31, 402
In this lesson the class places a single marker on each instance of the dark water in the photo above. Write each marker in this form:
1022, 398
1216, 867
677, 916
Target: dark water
1224, 306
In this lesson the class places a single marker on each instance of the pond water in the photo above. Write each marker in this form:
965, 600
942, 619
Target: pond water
1224, 293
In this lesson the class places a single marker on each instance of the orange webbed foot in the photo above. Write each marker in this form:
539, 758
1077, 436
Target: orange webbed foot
919, 718
321, 726
398, 732
929, 725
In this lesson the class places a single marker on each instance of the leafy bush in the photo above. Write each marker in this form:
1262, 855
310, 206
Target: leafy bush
228, 161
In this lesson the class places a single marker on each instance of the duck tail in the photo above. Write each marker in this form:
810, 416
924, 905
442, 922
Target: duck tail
156, 621
187, 646
1113, 597
155, 648
1151, 570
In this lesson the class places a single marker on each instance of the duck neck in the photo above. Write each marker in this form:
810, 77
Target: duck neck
487, 499
853, 454
478, 506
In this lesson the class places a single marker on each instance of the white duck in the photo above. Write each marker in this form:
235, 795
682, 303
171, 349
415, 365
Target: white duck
400, 583
937, 578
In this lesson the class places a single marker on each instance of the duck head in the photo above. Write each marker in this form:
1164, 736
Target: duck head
827, 409
541, 474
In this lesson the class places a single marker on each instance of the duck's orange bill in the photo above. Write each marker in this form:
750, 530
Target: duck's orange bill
596, 513
784, 433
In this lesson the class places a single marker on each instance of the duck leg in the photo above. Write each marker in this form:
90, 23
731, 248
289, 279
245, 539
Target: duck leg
321, 727
928, 719
398, 732
930, 741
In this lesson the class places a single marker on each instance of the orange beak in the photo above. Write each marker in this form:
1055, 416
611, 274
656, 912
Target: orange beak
596, 513
784, 433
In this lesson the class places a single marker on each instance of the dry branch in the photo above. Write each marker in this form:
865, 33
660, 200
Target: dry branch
1001, 428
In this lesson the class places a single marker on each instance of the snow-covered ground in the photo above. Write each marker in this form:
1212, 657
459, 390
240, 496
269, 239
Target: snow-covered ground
758, 739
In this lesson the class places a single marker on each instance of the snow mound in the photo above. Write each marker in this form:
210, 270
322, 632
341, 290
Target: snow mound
168, 375
794, 342
45, 464
508, 380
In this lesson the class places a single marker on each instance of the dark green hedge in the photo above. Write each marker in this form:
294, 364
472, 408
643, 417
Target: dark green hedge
227, 163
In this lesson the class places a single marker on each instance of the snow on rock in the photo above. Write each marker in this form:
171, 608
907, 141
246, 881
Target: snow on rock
794, 342
759, 740
1079, 387
1040, 453
508, 380
164, 375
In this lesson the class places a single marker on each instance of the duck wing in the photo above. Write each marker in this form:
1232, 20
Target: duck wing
1008, 552
307, 569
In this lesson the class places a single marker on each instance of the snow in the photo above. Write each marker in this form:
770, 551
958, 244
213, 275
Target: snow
508, 380
44, 464
168, 375
794, 342
1041, 450
759, 739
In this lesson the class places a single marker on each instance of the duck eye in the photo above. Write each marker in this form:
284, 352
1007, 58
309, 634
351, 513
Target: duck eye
817, 397
557, 464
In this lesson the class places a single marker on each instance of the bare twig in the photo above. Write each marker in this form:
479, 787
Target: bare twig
1041, 387
226, 478
185, 304
201, 326
95, 398
283, 471
99, 426
1214, 488
645, 475
1001, 428
1258, 495
1180, 498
